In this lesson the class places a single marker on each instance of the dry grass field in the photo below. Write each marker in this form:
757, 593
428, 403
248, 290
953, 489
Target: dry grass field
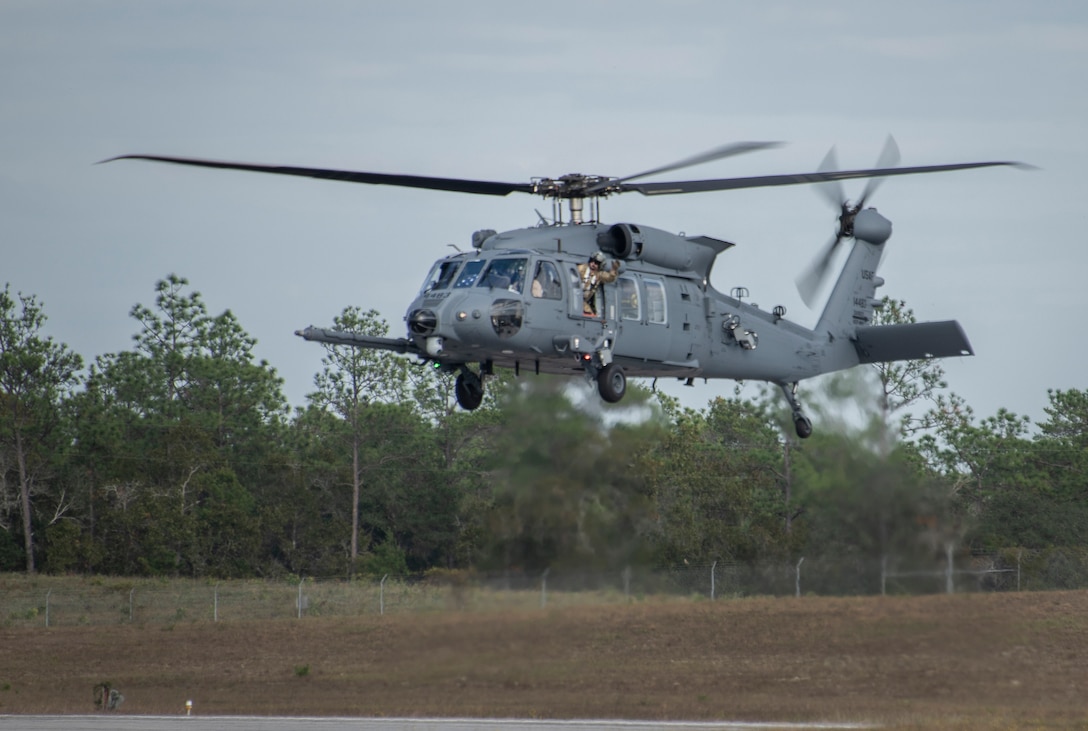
966, 661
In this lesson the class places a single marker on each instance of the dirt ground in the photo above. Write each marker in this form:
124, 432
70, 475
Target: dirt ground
960, 661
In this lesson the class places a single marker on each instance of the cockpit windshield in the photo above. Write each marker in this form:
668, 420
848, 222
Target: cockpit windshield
508, 274
441, 275
469, 273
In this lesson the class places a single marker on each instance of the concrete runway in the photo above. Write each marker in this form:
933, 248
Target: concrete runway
120, 722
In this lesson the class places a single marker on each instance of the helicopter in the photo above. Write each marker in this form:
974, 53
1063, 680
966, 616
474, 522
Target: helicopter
529, 299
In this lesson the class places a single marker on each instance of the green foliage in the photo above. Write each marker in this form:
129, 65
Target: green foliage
11, 553
988, 468
351, 381
173, 437
352, 377
1068, 417
567, 490
407, 500
227, 536
62, 547
858, 500
36, 374
905, 385
179, 457
716, 485
386, 558
1061, 452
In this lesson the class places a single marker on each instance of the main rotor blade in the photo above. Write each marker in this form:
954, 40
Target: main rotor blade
832, 189
735, 148
458, 185
765, 181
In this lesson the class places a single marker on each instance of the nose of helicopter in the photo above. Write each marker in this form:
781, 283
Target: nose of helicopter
468, 322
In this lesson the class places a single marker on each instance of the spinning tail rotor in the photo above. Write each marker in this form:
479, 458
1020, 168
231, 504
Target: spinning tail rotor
811, 280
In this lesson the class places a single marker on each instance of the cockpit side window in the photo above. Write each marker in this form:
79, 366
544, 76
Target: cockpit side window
508, 274
441, 275
469, 273
546, 283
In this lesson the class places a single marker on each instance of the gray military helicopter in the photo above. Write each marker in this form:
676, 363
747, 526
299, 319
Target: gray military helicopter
523, 299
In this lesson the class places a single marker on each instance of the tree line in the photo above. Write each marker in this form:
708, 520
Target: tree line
182, 457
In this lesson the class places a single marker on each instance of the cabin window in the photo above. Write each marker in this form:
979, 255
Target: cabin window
580, 306
508, 274
575, 292
655, 301
629, 302
441, 276
546, 284
470, 272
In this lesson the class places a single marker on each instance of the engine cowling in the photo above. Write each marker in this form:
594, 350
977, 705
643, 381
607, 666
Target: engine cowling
622, 240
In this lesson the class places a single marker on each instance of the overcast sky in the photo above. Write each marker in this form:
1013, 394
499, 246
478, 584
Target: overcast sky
510, 90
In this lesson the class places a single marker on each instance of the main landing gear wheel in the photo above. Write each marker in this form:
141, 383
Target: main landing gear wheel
469, 390
612, 383
802, 426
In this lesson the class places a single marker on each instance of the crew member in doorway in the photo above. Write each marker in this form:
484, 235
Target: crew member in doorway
593, 276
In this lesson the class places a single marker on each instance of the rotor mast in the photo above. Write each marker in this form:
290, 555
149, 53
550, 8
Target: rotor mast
574, 188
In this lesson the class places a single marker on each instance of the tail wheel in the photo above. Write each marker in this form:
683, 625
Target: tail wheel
612, 383
469, 391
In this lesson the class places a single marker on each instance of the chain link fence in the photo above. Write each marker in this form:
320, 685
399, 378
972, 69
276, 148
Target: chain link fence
66, 601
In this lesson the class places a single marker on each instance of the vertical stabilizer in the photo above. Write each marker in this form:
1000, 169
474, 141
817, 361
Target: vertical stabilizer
854, 296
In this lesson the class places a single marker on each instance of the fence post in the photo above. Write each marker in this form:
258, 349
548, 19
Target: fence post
797, 590
215, 604
298, 601
131, 605
949, 586
47, 607
544, 587
712, 567
381, 595
1018, 555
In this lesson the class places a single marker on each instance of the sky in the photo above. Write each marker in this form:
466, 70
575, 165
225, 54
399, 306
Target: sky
507, 91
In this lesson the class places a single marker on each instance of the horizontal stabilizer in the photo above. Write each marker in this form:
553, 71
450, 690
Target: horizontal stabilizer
912, 341
358, 340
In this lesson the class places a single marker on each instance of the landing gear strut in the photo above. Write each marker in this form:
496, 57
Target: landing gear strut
801, 423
